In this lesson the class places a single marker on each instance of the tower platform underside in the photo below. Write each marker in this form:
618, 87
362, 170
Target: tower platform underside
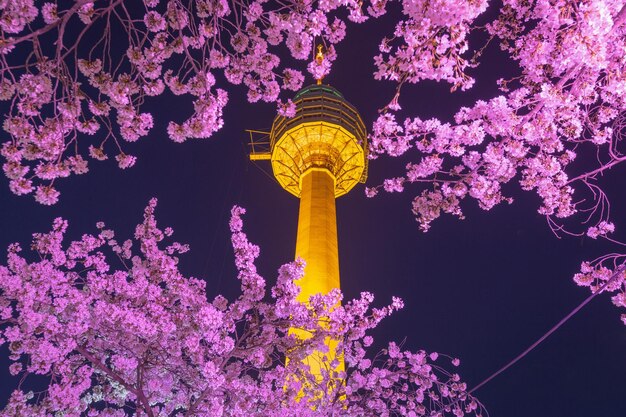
318, 144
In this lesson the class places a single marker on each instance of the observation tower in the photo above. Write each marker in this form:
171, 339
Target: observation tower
318, 155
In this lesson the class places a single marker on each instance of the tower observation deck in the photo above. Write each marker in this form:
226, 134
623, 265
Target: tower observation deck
327, 133
318, 155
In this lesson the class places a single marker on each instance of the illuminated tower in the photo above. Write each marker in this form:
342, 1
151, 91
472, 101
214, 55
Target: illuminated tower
318, 155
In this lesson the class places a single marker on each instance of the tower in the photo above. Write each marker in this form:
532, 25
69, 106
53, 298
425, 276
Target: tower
318, 155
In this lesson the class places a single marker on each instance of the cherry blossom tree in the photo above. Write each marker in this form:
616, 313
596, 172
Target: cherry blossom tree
116, 330
85, 68
567, 101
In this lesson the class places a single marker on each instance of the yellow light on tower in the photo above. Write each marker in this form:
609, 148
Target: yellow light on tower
318, 155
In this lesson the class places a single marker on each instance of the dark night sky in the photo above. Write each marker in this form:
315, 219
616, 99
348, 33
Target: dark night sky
481, 289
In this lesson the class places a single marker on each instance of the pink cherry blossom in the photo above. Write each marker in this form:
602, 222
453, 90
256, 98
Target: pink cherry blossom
565, 99
125, 161
145, 337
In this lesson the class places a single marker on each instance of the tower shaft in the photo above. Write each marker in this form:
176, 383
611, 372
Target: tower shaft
317, 245
317, 234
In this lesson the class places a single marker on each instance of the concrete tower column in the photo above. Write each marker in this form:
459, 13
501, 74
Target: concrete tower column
317, 233
317, 245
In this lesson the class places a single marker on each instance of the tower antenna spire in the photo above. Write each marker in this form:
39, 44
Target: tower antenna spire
319, 58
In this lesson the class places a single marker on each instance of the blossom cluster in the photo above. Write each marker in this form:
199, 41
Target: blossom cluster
76, 89
428, 43
568, 100
565, 103
113, 326
605, 274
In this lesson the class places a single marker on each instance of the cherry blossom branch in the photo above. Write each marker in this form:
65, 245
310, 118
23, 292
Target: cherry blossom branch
36, 33
106, 370
599, 170
613, 278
